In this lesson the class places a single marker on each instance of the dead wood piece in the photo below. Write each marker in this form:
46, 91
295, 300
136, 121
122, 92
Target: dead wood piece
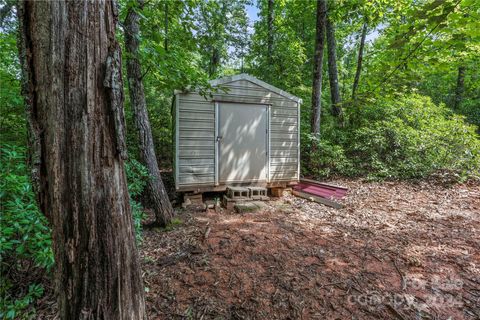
317, 199
207, 232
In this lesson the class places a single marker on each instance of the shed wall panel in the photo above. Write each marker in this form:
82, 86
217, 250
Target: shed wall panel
196, 130
196, 156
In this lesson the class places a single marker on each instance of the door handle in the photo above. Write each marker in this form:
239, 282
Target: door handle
219, 138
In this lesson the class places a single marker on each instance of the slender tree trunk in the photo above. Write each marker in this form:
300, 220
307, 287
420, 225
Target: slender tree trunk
460, 89
270, 31
71, 67
317, 68
359, 61
218, 40
166, 27
161, 204
214, 61
332, 69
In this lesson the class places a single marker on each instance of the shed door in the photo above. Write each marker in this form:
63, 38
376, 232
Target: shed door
242, 142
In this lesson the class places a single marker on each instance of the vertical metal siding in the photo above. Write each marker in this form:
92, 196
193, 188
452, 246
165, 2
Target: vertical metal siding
196, 131
216, 143
196, 134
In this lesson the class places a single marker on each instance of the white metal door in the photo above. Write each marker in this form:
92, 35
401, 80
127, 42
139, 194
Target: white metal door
242, 142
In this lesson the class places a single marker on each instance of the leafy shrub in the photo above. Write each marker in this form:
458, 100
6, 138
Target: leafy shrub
25, 237
25, 240
328, 158
411, 137
137, 177
399, 138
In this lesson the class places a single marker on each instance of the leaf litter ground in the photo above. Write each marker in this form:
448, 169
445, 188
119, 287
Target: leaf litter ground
396, 251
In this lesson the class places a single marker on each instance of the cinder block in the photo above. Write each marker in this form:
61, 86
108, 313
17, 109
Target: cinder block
250, 206
238, 193
257, 193
228, 203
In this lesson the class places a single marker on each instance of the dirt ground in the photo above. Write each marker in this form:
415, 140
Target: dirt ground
396, 251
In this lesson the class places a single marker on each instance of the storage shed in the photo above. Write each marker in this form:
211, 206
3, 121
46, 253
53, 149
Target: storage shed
246, 132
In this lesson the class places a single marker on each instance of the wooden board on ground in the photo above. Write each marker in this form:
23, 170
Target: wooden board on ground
323, 183
312, 197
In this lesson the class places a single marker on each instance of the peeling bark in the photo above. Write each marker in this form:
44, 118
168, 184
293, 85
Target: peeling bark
76, 158
113, 83
317, 69
161, 204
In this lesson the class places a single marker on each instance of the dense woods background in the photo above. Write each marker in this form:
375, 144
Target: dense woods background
405, 105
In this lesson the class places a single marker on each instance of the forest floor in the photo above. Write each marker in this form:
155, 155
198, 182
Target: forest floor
397, 250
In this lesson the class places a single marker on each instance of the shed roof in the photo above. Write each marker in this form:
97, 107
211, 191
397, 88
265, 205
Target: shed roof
244, 76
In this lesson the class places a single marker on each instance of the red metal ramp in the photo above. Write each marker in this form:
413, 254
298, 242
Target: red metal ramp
320, 192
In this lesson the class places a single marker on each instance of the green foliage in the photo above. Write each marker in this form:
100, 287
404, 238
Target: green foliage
330, 159
403, 124
19, 308
25, 239
137, 177
175, 222
12, 119
400, 137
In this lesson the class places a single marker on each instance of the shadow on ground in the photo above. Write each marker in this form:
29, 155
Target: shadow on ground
397, 250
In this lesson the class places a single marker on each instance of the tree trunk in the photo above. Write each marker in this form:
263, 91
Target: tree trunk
332, 69
317, 69
460, 89
166, 27
71, 68
270, 31
214, 61
359, 61
161, 204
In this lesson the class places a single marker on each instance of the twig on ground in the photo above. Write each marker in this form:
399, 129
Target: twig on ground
402, 277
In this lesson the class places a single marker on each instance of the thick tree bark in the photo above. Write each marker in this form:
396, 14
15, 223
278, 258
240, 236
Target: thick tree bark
161, 204
317, 68
332, 69
270, 31
359, 61
460, 89
73, 91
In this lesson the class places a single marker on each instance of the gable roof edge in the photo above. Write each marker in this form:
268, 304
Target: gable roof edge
244, 76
